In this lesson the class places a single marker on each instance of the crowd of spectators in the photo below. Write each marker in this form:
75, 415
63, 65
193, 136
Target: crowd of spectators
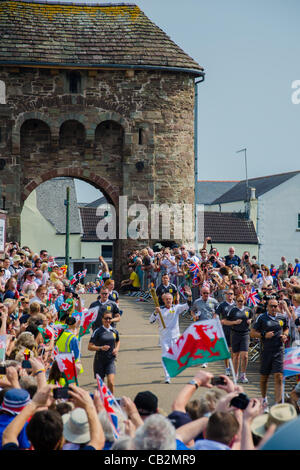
34, 292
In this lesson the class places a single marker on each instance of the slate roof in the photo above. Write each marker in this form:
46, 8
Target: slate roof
208, 191
50, 197
97, 202
85, 35
229, 227
262, 185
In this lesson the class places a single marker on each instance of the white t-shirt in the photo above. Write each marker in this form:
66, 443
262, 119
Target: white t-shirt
170, 317
7, 274
170, 268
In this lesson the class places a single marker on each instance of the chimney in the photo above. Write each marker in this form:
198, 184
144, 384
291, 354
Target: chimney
253, 206
252, 194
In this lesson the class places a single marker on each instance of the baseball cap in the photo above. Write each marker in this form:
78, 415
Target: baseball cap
146, 403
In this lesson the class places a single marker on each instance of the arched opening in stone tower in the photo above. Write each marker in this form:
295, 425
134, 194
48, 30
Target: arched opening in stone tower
44, 221
35, 138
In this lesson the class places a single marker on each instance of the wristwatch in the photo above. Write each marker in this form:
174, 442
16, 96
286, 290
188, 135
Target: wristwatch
194, 382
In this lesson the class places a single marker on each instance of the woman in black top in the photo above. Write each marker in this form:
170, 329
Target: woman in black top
106, 343
239, 318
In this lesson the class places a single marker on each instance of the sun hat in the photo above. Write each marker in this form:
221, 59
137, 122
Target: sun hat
15, 400
76, 426
285, 438
279, 414
17, 258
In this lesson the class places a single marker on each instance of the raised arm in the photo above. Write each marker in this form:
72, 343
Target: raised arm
201, 379
82, 399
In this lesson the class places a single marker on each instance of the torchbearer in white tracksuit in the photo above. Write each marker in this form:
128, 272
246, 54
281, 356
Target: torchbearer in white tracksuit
170, 315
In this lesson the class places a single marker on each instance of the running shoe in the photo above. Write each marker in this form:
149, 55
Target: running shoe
228, 371
243, 379
265, 405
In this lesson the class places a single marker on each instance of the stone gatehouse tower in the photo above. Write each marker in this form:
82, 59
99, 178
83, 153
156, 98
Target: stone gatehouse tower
96, 92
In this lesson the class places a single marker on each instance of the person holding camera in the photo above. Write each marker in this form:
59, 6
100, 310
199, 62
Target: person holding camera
246, 263
272, 329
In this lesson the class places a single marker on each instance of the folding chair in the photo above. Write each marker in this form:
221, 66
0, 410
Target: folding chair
254, 350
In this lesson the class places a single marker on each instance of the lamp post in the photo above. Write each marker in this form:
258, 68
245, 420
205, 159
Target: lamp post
67, 204
247, 184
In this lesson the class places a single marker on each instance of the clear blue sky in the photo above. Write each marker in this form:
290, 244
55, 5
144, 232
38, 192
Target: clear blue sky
250, 52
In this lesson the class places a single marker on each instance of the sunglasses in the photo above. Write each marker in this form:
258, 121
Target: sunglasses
273, 306
107, 318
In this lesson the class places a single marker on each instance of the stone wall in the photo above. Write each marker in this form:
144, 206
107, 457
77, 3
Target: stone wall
118, 119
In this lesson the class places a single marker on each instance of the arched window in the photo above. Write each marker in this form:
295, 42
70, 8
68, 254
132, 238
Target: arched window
71, 134
2, 92
35, 137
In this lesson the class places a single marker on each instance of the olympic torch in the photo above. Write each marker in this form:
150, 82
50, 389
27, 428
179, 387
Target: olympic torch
156, 302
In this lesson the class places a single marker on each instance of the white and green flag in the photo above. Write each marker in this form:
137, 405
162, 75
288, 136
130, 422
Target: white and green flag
203, 341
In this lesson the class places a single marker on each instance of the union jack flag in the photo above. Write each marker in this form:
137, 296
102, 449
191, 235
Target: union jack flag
82, 274
109, 402
291, 365
194, 269
253, 298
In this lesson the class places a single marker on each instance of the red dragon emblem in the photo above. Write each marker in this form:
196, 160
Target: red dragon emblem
192, 345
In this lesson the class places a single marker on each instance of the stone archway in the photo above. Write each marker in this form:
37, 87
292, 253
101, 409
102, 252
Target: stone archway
110, 191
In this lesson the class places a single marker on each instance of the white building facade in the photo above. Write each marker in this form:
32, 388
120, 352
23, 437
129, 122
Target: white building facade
274, 208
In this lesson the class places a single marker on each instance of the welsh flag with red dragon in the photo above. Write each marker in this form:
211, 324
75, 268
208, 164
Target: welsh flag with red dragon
66, 364
203, 341
87, 319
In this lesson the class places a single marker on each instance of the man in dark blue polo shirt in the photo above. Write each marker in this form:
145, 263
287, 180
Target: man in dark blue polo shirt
232, 259
272, 329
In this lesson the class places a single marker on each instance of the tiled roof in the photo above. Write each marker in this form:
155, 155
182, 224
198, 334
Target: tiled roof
228, 227
47, 33
262, 185
89, 220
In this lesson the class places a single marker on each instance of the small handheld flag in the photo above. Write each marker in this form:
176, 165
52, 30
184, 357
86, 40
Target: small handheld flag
66, 364
109, 401
253, 298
